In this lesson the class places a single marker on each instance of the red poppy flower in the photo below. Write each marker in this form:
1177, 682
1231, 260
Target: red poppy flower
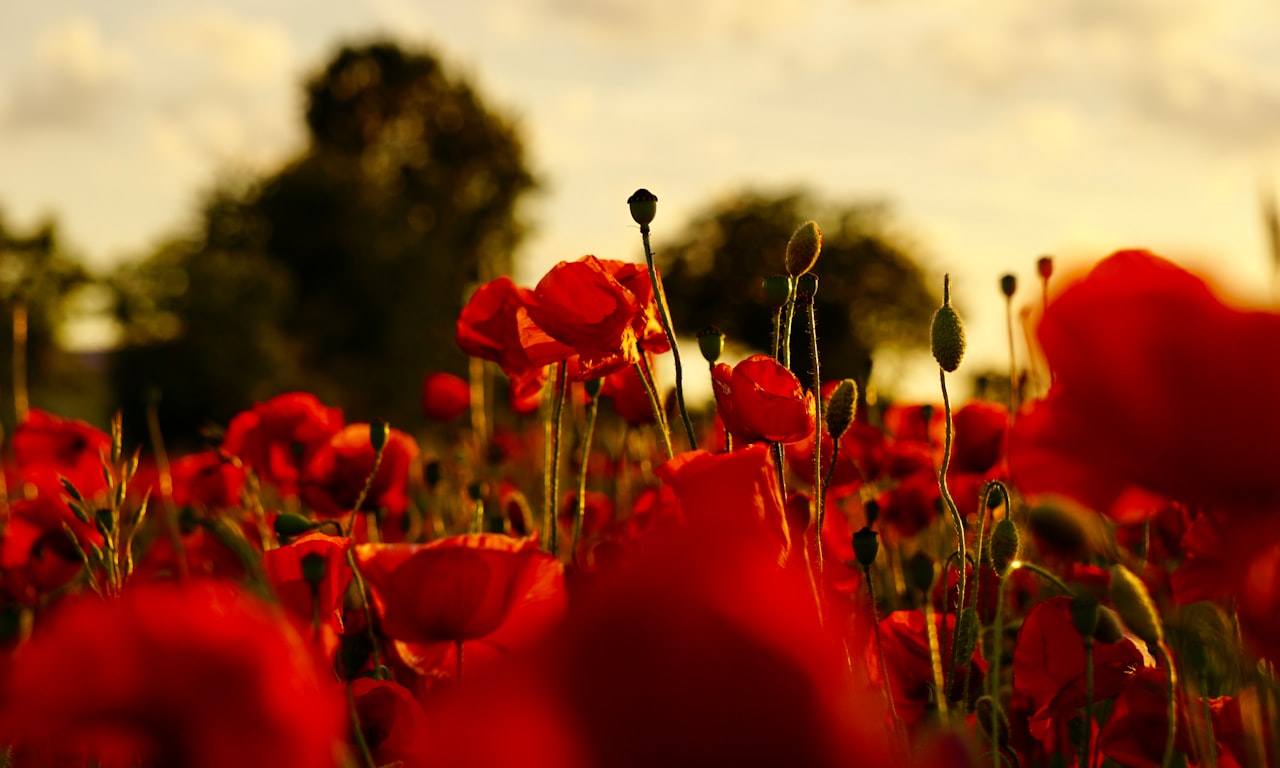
68, 447
1134, 348
979, 435
203, 676
36, 556
906, 653
625, 391
495, 325
316, 609
1049, 668
759, 399
445, 397
338, 470
391, 722
276, 438
206, 479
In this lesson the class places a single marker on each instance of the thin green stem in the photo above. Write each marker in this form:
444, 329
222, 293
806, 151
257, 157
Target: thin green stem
364, 492
357, 730
935, 657
819, 503
1086, 754
776, 338
1171, 711
553, 483
1013, 366
784, 346
367, 600
581, 515
956, 520
659, 298
831, 466
642, 369
898, 732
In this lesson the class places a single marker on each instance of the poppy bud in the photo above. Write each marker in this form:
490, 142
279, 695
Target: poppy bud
644, 206
1133, 603
1058, 528
592, 387
777, 290
1008, 285
1085, 615
378, 432
946, 336
841, 408
1004, 545
921, 571
288, 524
985, 708
711, 343
866, 545
806, 287
476, 491
313, 569
967, 636
1045, 267
432, 473
803, 248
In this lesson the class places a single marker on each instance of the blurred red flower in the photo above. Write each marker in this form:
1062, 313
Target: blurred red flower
276, 438
391, 721
316, 609
203, 676
206, 479
36, 556
338, 469
445, 396
906, 653
625, 391
1158, 383
69, 447
760, 399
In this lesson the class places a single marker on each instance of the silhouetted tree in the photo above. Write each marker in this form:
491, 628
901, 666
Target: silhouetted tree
343, 272
871, 291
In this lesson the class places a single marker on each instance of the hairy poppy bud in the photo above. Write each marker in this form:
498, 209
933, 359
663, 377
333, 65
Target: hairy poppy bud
946, 336
1045, 267
803, 248
777, 290
288, 524
866, 545
921, 571
985, 710
378, 432
1004, 545
967, 636
1008, 285
1085, 615
711, 343
806, 287
1132, 601
644, 206
841, 408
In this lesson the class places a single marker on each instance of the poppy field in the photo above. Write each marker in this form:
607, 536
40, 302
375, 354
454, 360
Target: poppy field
573, 568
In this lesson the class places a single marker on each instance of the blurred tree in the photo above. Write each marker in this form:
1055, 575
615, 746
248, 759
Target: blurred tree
37, 278
343, 272
871, 290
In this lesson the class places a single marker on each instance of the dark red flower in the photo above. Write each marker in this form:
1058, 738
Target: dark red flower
445, 397
36, 556
316, 609
68, 447
206, 479
581, 304
906, 652
495, 325
760, 399
338, 470
391, 721
276, 438
203, 675
979, 435
1134, 348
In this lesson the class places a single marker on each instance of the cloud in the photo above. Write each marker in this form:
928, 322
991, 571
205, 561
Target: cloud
71, 80
629, 24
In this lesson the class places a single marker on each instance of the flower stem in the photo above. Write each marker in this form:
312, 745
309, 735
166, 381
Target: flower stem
818, 495
1171, 690
956, 520
884, 666
1086, 755
660, 298
553, 461
642, 370
935, 656
364, 492
592, 409
1013, 367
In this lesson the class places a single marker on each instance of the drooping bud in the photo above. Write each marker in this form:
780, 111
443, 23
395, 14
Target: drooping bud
378, 432
1085, 615
946, 336
841, 408
866, 545
985, 709
803, 248
711, 343
921, 572
777, 290
806, 287
1004, 545
288, 525
1044, 266
1132, 601
644, 206
1009, 285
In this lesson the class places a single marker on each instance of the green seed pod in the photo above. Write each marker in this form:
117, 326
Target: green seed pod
1009, 285
777, 290
967, 638
921, 572
644, 206
1085, 615
806, 287
803, 248
946, 338
313, 569
378, 432
1133, 603
711, 343
1004, 545
841, 408
288, 524
866, 545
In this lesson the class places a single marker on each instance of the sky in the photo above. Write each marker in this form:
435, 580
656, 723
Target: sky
999, 131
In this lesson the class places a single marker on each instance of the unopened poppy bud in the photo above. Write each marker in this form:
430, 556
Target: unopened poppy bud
921, 572
803, 248
711, 343
777, 290
866, 545
967, 636
644, 206
946, 336
1009, 285
841, 408
1057, 528
985, 709
592, 387
288, 524
476, 491
806, 287
1132, 601
1004, 545
1085, 615
432, 473
313, 569
1044, 266
378, 432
